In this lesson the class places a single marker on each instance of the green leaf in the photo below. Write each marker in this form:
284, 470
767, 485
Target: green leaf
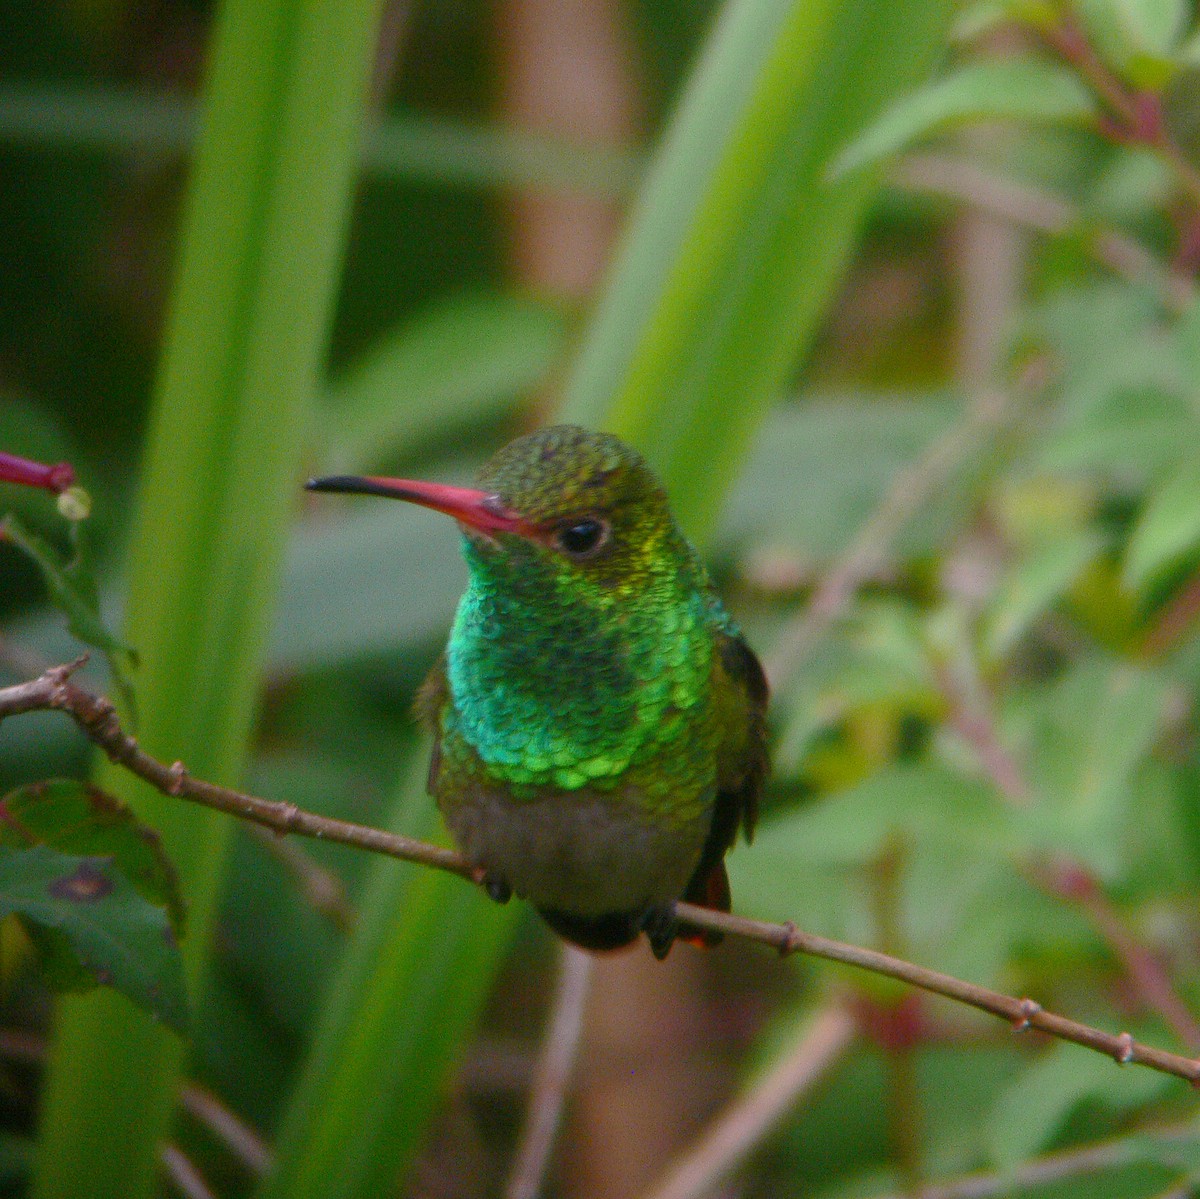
1136, 37
261, 237
72, 587
1168, 528
983, 16
78, 818
463, 361
820, 467
1023, 89
114, 934
797, 857
739, 237
1084, 740
1031, 1110
407, 571
1130, 435
1033, 586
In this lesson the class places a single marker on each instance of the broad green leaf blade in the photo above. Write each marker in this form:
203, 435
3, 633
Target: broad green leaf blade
1168, 528
400, 1009
740, 236
116, 935
735, 248
460, 362
78, 818
1021, 89
261, 242
407, 576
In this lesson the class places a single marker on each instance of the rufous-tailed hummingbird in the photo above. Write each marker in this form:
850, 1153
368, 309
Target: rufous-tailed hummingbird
599, 721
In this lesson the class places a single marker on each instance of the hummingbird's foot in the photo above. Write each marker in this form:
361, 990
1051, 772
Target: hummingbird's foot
497, 888
661, 926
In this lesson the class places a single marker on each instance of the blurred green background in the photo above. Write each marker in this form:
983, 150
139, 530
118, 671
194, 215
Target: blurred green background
930, 407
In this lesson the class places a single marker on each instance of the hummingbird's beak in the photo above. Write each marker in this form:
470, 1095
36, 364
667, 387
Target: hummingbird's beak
480, 509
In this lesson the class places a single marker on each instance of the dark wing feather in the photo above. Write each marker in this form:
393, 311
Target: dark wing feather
743, 667
432, 697
739, 787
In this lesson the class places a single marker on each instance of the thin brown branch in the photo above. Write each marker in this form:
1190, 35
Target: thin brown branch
736, 1133
230, 1129
96, 717
1043, 212
183, 1175
552, 1075
1022, 1014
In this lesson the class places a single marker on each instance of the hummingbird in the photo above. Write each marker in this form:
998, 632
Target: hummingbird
598, 719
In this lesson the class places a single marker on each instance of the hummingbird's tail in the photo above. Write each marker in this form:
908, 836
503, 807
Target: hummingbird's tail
610, 931
707, 890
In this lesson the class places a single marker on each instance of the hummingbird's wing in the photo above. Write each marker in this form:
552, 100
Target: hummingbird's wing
742, 770
432, 697
743, 760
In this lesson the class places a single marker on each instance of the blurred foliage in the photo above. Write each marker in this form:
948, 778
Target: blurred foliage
997, 725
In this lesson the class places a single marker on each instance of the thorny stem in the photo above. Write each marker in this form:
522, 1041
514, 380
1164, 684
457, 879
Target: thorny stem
96, 717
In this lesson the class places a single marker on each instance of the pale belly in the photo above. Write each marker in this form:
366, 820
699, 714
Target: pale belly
580, 851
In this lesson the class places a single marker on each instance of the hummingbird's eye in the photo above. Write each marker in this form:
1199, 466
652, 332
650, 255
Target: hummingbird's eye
582, 538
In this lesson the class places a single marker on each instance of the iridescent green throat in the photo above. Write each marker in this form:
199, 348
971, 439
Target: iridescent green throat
563, 681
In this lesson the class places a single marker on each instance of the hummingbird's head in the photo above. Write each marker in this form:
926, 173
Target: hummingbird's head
565, 499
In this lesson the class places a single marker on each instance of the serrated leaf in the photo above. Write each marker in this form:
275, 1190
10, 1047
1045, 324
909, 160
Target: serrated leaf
1168, 528
1033, 587
1031, 1110
1025, 89
93, 913
78, 818
72, 587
